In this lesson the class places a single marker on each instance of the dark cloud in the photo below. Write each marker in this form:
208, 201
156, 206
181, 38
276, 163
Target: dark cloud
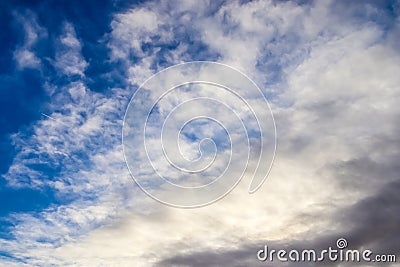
371, 223
245, 255
375, 220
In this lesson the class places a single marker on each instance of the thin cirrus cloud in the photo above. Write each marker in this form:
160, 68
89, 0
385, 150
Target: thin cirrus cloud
68, 57
330, 75
24, 55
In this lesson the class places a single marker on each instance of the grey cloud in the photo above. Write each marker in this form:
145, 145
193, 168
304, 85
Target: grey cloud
371, 223
374, 221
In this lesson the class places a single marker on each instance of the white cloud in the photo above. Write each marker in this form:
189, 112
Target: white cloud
338, 94
78, 141
69, 59
325, 58
129, 39
24, 55
26, 59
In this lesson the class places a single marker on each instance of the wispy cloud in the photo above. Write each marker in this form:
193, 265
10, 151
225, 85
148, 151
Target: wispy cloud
69, 59
25, 55
331, 76
74, 151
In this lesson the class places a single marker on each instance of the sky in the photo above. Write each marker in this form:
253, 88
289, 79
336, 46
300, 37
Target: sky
69, 69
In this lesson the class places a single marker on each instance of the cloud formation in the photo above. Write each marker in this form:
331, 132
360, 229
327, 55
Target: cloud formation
328, 69
24, 55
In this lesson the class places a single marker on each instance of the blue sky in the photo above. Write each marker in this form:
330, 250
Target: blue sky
68, 69
22, 88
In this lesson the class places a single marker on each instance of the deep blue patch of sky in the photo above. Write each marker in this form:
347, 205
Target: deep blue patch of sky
22, 95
